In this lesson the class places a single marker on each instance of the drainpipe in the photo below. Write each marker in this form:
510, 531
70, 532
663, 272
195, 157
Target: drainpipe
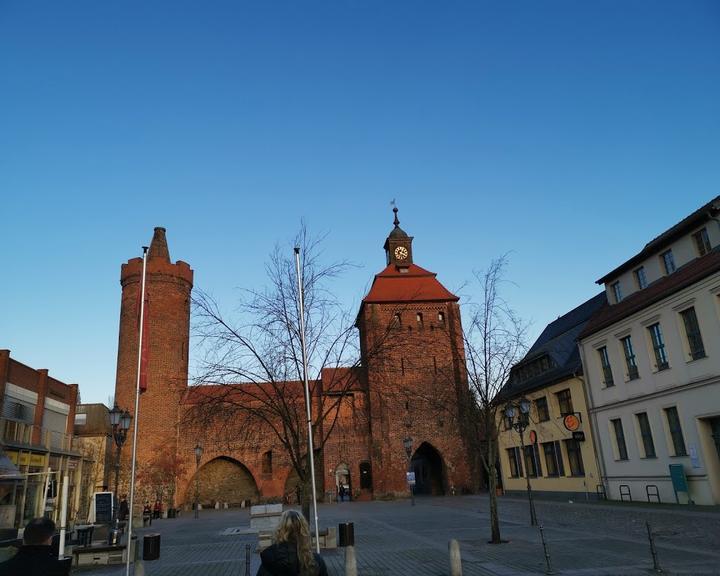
590, 403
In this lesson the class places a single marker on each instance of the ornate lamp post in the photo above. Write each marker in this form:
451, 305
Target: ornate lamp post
198, 456
408, 444
518, 415
120, 420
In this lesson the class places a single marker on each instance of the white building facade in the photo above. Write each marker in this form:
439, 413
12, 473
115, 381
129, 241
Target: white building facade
652, 367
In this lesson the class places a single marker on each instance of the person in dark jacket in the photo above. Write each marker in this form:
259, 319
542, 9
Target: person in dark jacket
35, 557
291, 552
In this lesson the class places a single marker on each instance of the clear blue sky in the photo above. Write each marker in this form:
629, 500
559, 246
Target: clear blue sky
568, 133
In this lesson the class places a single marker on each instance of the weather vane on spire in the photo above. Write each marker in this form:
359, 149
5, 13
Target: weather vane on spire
395, 210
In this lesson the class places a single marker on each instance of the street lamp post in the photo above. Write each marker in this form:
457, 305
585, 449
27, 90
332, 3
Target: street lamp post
408, 443
198, 456
120, 420
518, 414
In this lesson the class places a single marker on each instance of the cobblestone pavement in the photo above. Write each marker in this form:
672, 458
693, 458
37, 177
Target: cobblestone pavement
392, 538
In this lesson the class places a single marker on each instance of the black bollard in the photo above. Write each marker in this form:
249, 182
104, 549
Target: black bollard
247, 559
653, 551
548, 565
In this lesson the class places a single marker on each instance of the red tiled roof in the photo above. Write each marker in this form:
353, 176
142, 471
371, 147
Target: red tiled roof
415, 285
692, 272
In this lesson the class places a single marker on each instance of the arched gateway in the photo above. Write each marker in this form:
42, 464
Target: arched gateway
429, 471
223, 480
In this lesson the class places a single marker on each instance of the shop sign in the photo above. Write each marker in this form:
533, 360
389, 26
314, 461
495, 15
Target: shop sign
25, 458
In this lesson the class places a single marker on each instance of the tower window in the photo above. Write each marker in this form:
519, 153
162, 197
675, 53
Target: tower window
419, 318
441, 317
397, 320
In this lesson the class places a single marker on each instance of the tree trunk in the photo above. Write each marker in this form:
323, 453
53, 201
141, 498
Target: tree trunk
492, 491
306, 490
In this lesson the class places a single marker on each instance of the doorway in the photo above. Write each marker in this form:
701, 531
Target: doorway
429, 471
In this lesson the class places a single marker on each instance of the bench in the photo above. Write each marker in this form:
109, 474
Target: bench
102, 555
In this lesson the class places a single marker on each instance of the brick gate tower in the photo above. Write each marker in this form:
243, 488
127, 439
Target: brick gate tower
412, 347
166, 341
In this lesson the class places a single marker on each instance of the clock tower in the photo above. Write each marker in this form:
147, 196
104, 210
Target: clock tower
412, 351
398, 246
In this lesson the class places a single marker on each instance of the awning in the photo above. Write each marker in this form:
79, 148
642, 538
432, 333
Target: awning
8, 470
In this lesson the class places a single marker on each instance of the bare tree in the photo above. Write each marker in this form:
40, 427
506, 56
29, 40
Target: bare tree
251, 374
494, 341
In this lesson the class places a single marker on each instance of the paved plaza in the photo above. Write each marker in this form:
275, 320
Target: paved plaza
395, 538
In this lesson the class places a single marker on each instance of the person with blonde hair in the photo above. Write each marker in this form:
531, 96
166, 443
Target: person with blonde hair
291, 552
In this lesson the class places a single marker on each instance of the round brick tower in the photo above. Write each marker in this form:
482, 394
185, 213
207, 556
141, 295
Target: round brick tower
165, 343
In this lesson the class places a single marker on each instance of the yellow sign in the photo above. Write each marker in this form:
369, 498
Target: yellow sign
26, 458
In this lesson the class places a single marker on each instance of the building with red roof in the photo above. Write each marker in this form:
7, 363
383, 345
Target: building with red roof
404, 392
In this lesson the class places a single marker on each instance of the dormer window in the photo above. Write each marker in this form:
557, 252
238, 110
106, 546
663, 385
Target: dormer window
702, 242
640, 278
668, 261
617, 293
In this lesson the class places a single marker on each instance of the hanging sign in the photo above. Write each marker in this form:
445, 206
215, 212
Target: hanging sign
571, 422
410, 478
579, 436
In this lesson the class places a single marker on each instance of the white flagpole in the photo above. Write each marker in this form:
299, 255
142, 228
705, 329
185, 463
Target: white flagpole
137, 407
63, 518
307, 395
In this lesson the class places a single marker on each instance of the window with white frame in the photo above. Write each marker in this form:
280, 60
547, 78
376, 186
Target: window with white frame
658, 344
692, 333
553, 459
640, 277
622, 453
514, 460
532, 461
702, 242
668, 261
541, 405
606, 368
629, 353
646, 437
676, 434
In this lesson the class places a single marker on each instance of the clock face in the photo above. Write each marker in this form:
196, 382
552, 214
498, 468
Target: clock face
401, 253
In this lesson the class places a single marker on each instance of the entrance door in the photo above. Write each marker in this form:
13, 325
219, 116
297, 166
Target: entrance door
343, 483
715, 432
428, 467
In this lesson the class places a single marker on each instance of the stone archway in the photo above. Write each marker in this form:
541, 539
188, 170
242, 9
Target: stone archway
224, 480
429, 471
343, 479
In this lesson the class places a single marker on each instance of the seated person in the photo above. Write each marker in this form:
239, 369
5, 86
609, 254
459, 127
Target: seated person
35, 557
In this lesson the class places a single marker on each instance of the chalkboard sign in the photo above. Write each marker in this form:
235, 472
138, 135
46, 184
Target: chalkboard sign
103, 507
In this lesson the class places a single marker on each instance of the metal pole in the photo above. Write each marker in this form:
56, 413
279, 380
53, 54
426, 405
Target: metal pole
412, 486
548, 564
307, 394
197, 487
136, 415
247, 559
653, 551
63, 518
116, 518
533, 517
